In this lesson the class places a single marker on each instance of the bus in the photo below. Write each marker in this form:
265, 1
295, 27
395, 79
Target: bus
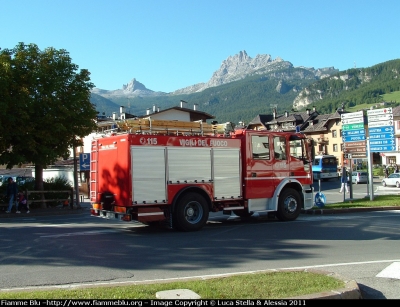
325, 167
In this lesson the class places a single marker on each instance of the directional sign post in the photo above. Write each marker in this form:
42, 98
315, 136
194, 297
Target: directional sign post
380, 136
353, 133
381, 130
84, 161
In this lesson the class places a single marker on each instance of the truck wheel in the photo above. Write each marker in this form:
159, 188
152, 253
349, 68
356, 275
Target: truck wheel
191, 212
289, 205
243, 213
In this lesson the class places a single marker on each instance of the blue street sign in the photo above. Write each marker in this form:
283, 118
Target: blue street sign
384, 129
377, 148
320, 199
353, 132
353, 138
382, 142
378, 136
84, 161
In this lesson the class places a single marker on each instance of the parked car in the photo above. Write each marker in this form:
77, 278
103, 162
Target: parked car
359, 177
392, 180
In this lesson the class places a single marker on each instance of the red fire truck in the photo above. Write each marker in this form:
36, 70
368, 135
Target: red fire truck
178, 172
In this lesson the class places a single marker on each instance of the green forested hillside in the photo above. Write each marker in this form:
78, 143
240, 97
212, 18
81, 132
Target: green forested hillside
357, 86
245, 99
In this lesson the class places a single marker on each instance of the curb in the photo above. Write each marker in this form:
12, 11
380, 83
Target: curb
347, 210
351, 291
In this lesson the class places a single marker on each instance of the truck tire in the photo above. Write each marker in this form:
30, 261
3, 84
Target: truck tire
191, 212
289, 205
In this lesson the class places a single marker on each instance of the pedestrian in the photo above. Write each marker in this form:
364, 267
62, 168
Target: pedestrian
396, 170
12, 190
343, 180
22, 203
386, 172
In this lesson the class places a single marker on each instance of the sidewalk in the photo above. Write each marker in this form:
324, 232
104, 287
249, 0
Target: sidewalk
58, 210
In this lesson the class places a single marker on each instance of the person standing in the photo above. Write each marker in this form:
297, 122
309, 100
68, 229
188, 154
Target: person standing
12, 190
343, 181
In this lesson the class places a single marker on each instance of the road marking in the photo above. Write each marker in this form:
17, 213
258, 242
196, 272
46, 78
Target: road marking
392, 271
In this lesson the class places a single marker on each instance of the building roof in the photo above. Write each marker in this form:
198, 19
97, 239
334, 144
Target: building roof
192, 112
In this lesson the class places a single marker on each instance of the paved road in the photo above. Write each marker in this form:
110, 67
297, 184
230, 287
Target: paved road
75, 250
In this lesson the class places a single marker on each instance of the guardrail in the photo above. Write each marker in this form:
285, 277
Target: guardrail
67, 200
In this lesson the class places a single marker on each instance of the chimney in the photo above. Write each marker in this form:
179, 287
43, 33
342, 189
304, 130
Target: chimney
314, 109
154, 108
286, 113
274, 113
308, 111
183, 104
148, 112
121, 109
158, 109
114, 117
195, 106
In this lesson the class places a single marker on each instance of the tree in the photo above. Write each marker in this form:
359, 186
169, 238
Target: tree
45, 106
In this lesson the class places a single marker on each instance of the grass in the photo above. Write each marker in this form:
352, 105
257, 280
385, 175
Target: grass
271, 285
379, 201
393, 96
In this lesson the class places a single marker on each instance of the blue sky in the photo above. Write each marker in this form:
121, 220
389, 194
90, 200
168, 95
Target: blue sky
171, 44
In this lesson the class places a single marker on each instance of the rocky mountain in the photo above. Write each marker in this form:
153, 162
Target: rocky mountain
133, 89
234, 68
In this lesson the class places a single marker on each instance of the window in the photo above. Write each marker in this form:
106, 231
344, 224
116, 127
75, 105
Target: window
280, 147
341, 132
391, 160
260, 147
342, 147
335, 147
334, 133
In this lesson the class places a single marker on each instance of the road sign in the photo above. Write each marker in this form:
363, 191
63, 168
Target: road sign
352, 115
379, 111
380, 124
354, 138
382, 148
380, 117
320, 199
382, 142
353, 126
354, 149
353, 132
84, 161
358, 155
353, 120
379, 136
381, 129
355, 144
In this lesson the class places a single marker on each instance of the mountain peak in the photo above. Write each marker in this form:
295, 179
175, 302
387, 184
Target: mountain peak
134, 85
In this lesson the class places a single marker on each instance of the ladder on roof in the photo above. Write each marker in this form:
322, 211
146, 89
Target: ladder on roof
173, 127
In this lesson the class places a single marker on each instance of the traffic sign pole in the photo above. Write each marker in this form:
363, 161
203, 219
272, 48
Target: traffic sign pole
370, 174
